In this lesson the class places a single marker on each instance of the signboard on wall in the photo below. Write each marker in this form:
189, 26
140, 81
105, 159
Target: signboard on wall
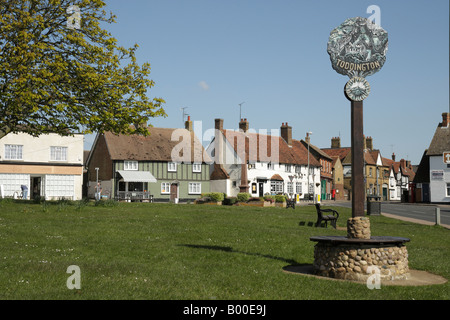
446, 157
437, 174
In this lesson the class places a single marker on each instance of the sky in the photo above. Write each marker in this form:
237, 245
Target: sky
270, 56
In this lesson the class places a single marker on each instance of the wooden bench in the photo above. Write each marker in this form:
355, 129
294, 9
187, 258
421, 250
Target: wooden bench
290, 203
320, 217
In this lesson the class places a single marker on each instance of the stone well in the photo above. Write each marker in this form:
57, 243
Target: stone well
359, 255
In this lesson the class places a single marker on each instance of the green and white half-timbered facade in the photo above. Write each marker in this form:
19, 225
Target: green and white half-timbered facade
141, 168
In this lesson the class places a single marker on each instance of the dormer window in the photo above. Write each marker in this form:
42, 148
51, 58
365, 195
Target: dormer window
130, 165
172, 167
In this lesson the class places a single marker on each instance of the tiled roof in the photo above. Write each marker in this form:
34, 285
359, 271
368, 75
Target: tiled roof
261, 144
157, 146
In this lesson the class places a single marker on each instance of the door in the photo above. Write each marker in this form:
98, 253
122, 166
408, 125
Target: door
173, 191
323, 191
35, 187
261, 188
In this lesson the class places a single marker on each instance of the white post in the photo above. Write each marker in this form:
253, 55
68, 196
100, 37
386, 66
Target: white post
438, 216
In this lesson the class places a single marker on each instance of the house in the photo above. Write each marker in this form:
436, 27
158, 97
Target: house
338, 179
436, 161
376, 174
167, 165
422, 180
326, 162
261, 164
401, 174
50, 166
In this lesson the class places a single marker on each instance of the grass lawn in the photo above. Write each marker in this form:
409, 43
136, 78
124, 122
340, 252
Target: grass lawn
168, 251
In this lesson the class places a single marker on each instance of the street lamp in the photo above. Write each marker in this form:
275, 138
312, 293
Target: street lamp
308, 139
96, 185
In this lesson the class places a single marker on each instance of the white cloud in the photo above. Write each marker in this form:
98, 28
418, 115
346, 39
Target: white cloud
202, 84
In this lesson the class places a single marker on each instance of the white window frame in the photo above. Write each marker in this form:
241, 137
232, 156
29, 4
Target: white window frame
269, 166
165, 187
172, 166
130, 165
13, 152
298, 187
195, 188
448, 189
58, 153
287, 167
276, 186
290, 187
196, 167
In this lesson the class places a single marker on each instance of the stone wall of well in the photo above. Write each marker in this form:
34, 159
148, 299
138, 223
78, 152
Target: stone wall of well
358, 262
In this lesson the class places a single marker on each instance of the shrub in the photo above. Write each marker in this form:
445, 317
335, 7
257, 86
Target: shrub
229, 201
256, 199
280, 198
243, 197
271, 199
216, 196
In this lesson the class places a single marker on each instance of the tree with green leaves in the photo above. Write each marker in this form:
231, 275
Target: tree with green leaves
61, 72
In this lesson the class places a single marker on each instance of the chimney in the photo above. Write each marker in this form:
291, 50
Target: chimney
188, 124
219, 124
243, 125
408, 164
307, 138
402, 163
335, 142
445, 120
369, 143
218, 142
393, 156
286, 133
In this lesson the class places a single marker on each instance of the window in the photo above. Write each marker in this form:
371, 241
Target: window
58, 153
172, 166
448, 189
251, 166
130, 165
197, 167
298, 187
13, 152
276, 186
165, 188
288, 168
195, 188
269, 166
290, 187
370, 172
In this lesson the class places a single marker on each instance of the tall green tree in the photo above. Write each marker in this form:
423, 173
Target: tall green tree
61, 72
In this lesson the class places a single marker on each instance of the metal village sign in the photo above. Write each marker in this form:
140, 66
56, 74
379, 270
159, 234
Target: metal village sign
357, 49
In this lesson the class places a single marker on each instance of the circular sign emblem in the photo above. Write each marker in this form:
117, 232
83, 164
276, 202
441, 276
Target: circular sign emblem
357, 89
358, 47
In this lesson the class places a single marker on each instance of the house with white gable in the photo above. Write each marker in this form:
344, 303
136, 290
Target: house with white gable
49, 166
433, 175
262, 164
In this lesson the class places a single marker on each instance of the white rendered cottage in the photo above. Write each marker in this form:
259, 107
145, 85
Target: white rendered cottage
261, 164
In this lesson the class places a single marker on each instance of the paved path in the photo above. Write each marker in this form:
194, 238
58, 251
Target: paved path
413, 212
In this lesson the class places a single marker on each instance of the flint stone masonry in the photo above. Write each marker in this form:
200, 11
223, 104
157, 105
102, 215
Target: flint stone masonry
356, 260
358, 228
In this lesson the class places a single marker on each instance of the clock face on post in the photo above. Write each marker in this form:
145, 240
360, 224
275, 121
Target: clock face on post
357, 89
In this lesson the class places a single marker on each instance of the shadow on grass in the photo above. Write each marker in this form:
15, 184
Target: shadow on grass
231, 250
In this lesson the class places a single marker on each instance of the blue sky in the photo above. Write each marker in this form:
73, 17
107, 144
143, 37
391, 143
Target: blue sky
212, 55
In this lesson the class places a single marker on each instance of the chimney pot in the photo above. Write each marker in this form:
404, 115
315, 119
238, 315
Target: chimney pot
286, 133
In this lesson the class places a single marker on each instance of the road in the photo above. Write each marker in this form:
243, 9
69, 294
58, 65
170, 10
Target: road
422, 212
